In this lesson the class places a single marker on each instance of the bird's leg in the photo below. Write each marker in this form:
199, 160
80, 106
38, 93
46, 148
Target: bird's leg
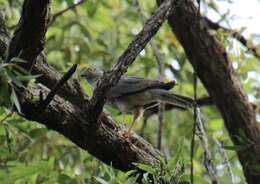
152, 106
123, 118
138, 113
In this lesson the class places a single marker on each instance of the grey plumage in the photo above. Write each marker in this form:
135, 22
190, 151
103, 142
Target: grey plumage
133, 94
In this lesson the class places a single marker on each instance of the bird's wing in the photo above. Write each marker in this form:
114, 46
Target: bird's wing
131, 85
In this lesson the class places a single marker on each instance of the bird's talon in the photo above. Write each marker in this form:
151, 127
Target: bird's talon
127, 135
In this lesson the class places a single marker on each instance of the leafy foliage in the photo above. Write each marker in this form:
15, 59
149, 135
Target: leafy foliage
96, 33
12, 77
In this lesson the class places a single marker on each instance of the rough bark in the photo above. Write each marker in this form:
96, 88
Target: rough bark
210, 61
105, 143
29, 37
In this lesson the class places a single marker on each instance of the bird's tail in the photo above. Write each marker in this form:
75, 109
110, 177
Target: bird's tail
171, 98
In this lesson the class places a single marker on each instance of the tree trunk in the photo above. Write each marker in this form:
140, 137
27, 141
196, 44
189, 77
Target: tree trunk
210, 61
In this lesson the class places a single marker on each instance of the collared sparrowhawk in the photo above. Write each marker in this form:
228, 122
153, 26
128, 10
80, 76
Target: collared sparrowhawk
135, 94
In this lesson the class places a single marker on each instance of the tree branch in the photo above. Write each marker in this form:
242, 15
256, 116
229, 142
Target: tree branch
224, 154
106, 143
207, 158
234, 34
60, 13
67, 117
49, 77
29, 37
203, 101
56, 88
110, 78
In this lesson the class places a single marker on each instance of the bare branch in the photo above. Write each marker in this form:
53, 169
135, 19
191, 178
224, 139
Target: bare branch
207, 158
60, 13
43, 104
110, 78
203, 101
234, 34
223, 153
195, 117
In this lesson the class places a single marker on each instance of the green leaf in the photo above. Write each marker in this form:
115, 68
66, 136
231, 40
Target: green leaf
100, 180
22, 171
145, 167
64, 179
4, 153
38, 132
92, 7
235, 148
15, 100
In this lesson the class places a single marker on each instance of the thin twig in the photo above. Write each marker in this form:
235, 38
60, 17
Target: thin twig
194, 128
207, 154
235, 34
223, 152
203, 101
56, 88
60, 13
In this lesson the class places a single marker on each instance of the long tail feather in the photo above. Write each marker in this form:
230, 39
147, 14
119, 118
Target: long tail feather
172, 98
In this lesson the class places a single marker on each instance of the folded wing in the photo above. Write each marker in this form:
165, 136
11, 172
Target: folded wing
131, 85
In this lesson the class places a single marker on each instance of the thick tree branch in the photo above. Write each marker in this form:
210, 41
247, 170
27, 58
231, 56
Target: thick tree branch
67, 117
106, 143
110, 78
29, 37
211, 63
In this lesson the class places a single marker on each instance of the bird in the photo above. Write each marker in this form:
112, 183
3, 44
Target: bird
136, 94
